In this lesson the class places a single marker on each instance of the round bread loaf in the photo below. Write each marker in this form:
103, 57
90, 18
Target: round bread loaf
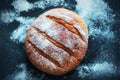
57, 41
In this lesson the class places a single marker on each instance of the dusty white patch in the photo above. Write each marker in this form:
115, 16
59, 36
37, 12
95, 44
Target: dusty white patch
7, 16
24, 5
19, 34
21, 73
96, 69
21, 5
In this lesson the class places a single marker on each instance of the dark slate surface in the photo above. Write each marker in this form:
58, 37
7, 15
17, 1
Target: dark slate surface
8, 61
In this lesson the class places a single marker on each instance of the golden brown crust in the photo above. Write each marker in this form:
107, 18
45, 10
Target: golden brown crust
57, 41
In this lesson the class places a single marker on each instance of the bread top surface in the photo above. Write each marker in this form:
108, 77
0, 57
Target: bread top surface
57, 41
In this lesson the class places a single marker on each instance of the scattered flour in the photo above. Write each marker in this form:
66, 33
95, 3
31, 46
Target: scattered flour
21, 73
96, 70
21, 5
89, 70
24, 5
7, 16
98, 17
19, 34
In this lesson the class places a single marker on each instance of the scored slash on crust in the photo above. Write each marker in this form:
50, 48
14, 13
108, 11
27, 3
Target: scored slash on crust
45, 55
69, 51
67, 25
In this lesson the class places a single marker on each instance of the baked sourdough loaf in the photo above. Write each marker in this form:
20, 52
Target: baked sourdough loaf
57, 41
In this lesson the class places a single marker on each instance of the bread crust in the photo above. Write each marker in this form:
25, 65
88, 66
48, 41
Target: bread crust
57, 41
